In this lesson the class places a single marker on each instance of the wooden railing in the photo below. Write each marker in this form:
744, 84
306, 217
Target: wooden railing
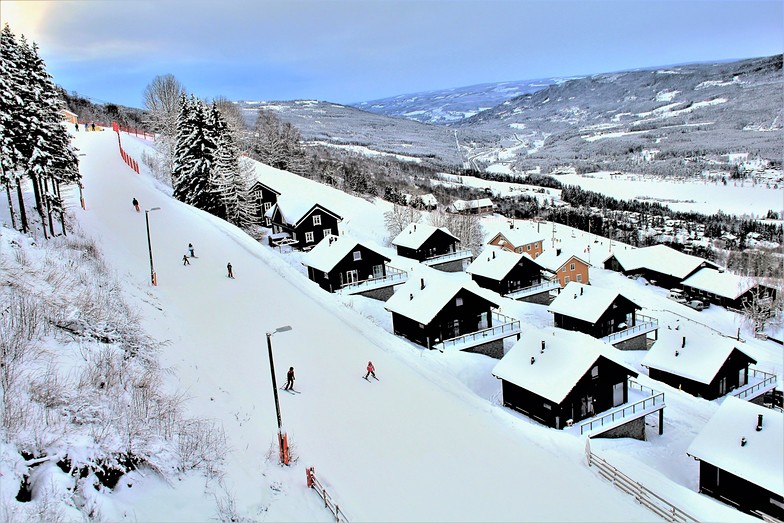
508, 327
534, 289
767, 380
393, 276
643, 405
443, 258
644, 325
329, 503
644, 496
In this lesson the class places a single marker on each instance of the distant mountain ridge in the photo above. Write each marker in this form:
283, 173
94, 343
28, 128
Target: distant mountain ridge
668, 120
445, 106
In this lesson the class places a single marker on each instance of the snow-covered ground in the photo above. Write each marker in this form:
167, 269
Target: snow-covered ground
428, 442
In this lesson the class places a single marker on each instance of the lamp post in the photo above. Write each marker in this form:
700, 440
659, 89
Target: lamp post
282, 439
153, 277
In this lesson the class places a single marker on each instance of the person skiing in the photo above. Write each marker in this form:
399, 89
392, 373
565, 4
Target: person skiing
289, 379
93, 126
185, 260
371, 370
135, 202
231, 273
190, 250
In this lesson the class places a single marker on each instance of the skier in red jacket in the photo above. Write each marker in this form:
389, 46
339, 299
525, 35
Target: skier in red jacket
371, 370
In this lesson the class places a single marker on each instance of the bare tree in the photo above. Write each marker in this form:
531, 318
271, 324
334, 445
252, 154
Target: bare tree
162, 100
399, 218
761, 308
465, 226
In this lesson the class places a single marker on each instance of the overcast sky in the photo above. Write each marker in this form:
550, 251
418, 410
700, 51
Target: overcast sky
358, 50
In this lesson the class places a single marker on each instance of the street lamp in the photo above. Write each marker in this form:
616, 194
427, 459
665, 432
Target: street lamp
283, 442
153, 277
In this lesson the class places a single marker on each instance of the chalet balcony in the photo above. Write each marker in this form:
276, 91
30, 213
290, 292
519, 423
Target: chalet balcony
644, 325
452, 256
393, 277
546, 286
504, 327
759, 383
641, 402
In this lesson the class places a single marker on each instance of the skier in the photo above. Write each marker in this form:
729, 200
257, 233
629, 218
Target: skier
77, 127
289, 379
185, 260
231, 274
190, 250
93, 126
135, 202
371, 370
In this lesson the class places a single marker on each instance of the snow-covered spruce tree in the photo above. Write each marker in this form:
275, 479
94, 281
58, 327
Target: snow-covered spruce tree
194, 159
10, 132
232, 176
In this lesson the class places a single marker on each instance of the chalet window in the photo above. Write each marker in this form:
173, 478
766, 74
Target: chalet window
528, 247
309, 237
267, 206
563, 269
327, 232
357, 255
458, 301
317, 219
579, 277
536, 245
595, 372
547, 406
566, 279
571, 267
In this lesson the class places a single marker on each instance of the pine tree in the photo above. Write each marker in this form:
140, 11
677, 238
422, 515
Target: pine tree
10, 108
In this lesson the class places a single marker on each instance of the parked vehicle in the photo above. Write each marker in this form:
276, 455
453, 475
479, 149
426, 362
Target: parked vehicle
677, 296
697, 305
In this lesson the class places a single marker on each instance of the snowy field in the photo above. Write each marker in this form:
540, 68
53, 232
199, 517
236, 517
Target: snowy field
703, 196
430, 441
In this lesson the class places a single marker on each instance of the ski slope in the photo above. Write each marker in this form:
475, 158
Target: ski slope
418, 445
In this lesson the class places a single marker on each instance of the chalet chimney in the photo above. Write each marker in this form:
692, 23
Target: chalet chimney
414, 227
542, 351
743, 442
511, 225
494, 255
759, 422
557, 252
575, 296
410, 297
676, 353
683, 342
421, 283
532, 360
581, 291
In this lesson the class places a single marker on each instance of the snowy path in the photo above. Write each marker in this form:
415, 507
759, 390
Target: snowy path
414, 446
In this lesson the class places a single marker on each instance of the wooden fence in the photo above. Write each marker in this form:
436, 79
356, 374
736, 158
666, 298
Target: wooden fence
329, 503
650, 500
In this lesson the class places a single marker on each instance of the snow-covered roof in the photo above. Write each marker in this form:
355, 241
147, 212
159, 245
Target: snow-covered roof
416, 234
699, 359
496, 263
422, 305
293, 208
723, 284
552, 261
331, 250
759, 460
518, 237
584, 302
464, 205
659, 258
567, 356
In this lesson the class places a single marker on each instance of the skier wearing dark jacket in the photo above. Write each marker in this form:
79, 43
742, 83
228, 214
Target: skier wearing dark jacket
289, 379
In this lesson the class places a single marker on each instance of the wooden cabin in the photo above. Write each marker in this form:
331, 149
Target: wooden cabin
305, 222
708, 366
519, 240
725, 289
337, 261
564, 266
264, 197
504, 271
741, 454
591, 310
480, 206
660, 264
430, 308
422, 242
559, 377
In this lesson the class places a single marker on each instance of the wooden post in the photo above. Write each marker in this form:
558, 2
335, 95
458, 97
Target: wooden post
661, 422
